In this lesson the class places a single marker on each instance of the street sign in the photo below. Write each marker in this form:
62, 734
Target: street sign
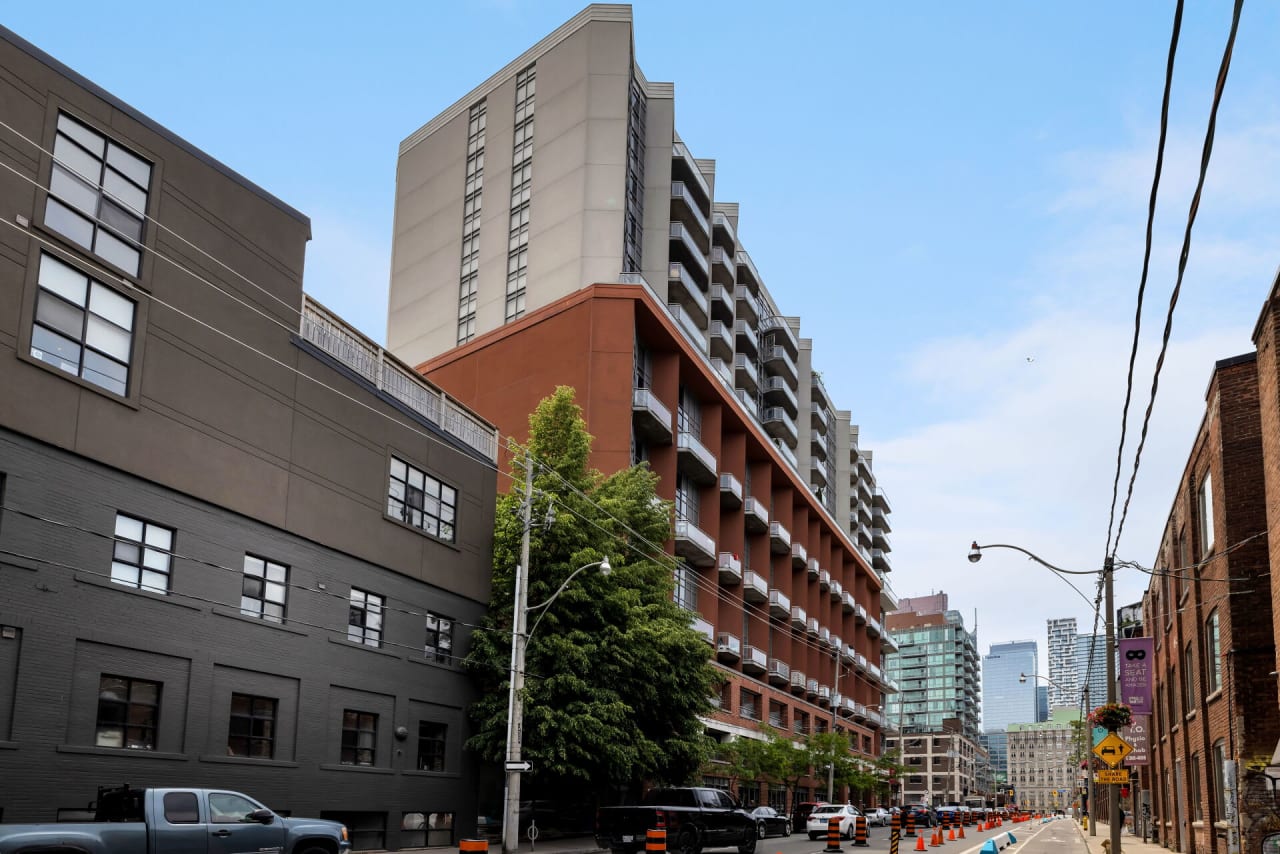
1111, 775
1113, 749
519, 766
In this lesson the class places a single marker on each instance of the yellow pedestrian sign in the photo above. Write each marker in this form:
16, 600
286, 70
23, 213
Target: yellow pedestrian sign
1113, 749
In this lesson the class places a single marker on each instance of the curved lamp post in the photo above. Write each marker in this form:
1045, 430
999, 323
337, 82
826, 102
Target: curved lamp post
1023, 677
1108, 573
515, 697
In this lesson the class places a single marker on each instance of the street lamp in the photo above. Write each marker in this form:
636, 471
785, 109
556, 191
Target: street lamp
1090, 803
515, 766
1108, 573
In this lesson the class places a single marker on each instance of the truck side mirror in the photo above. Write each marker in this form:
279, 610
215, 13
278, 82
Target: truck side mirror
262, 816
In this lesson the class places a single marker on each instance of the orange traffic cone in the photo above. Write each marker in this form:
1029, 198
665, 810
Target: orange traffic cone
961, 832
951, 834
920, 843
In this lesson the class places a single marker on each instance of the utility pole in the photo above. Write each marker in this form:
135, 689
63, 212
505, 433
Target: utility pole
831, 769
515, 698
1113, 791
1092, 806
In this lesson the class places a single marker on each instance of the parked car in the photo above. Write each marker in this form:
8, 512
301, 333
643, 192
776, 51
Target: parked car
128, 820
878, 817
695, 819
770, 822
816, 825
800, 814
921, 815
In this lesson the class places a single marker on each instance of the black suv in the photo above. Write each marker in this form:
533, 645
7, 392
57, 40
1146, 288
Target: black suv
922, 816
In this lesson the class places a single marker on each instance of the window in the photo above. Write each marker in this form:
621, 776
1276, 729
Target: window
252, 729
470, 266
128, 710
686, 592
439, 645
364, 625
142, 554
748, 705
418, 499
1212, 655
180, 808
431, 742
359, 737
1219, 772
82, 326
264, 590
521, 190
229, 808
1206, 514
97, 194
1193, 787
1188, 681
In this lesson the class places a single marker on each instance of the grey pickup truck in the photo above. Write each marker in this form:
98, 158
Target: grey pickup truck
694, 819
177, 821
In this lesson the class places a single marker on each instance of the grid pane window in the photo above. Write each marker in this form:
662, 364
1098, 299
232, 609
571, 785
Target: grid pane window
142, 554
359, 737
97, 194
439, 645
82, 326
521, 191
265, 589
365, 623
432, 737
1212, 655
251, 730
418, 499
128, 710
471, 224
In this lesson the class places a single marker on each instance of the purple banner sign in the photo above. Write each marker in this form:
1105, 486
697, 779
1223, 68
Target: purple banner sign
1136, 734
1137, 659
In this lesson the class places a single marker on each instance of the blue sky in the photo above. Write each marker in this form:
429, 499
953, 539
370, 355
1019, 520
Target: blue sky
951, 196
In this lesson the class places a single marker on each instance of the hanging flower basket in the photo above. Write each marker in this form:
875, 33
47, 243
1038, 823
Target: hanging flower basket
1111, 716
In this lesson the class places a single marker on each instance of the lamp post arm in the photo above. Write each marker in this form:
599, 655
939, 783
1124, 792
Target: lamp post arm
1037, 559
543, 606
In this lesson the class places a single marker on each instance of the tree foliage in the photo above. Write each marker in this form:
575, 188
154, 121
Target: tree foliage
615, 678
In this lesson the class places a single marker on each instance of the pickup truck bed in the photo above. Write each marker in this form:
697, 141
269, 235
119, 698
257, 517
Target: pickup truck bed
695, 819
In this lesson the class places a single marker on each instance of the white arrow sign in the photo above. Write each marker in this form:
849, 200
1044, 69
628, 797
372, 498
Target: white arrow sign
519, 766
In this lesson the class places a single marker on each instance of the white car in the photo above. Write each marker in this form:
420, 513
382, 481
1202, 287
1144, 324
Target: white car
816, 825
878, 817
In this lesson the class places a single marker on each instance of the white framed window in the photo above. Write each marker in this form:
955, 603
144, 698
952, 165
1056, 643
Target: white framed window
98, 194
439, 642
82, 326
1212, 655
364, 625
1206, 514
265, 589
142, 554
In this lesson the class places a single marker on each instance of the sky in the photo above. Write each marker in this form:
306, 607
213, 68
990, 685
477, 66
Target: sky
951, 196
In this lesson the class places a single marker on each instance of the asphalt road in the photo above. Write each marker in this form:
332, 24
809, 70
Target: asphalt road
878, 840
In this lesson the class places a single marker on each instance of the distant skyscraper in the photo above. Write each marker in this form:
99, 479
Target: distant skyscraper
1064, 685
1093, 674
1006, 698
1042, 703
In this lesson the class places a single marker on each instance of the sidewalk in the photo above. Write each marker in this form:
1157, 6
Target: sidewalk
1129, 844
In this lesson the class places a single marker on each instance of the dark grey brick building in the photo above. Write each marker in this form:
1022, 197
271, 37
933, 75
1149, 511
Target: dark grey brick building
239, 546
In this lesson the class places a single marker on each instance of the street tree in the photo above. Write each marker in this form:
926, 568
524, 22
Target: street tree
615, 677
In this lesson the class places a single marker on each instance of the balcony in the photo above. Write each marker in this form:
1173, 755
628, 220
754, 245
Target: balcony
864, 535
694, 545
837, 590
746, 307
730, 491
798, 682
688, 327
875, 672
880, 539
888, 644
798, 617
824, 579
824, 695
754, 661
721, 222
880, 518
728, 648
780, 362
721, 299
684, 290
873, 627
824, 636
748, 340
685, 207
745, 375
859, 613
811, 688
730, 568
779, 604
787, 454
721, 336
813, 569
847, 602
818, 444
778, 424
747, 272
818, 391
817, 472
837, 643
685, 247
723, 369
880, 560
778, 393
723, 268
859, 712
811, 627
881, 500
850, 656
755, 589
652, 419
874, 719
779, 539
703, 627
799, 555
860, 661
755, 517
748, 402
782, 333
864, 515
818, 419
693, 458
779, 673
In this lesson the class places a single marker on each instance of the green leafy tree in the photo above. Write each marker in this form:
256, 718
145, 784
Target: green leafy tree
615, 678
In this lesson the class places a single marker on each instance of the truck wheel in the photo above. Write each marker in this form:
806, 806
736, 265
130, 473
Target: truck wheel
748, 845
687, 842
